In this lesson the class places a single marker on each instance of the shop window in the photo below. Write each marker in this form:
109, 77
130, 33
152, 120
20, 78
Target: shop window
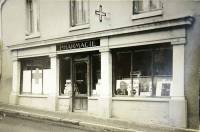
32, 17
79, 12
141, 6
35, 75
142, 71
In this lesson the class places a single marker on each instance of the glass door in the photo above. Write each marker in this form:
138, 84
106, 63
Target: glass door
80, 88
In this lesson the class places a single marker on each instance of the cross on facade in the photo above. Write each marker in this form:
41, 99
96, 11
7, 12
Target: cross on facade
37, 75
100, 13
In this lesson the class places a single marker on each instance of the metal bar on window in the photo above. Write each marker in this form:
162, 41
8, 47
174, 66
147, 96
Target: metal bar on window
31, 79
42, 81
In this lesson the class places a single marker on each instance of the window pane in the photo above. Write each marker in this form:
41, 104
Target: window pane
65, 76
137, 6
163, 61
96, 73
122, 73
72, 13
32, 16
142, 72
142, 62
41, 63
29, 16
155, 4
81, 77
26, 81
162, 71
123, 65
85, 11
79, 12
140, 6
47, 77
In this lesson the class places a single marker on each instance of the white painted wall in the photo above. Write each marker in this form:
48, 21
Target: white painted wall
54, 17
37, 102
63, 104
141, 111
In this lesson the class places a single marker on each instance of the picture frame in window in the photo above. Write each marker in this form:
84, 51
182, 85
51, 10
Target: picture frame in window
163, 87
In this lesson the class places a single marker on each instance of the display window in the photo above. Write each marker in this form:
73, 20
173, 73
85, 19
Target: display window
35, 75
142, 71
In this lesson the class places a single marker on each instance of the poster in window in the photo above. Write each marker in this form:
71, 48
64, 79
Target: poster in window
46, 79
145, 86
163, 87
97, 91
68, 87
136, 85
26, 81
123, 87
37, 81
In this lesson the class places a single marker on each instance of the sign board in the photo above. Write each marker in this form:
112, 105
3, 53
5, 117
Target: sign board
77, 44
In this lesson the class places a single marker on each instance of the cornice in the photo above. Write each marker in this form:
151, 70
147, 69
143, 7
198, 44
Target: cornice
153, 25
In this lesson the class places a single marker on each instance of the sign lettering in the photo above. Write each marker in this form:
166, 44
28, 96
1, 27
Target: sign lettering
78, 44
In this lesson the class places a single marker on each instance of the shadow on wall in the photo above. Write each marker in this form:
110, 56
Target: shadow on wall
6, 76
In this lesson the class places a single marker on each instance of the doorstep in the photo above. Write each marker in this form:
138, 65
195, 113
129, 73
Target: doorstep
85, 121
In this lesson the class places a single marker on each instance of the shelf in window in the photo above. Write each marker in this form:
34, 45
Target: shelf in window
162, 75
147, 14
146, 99
33, 96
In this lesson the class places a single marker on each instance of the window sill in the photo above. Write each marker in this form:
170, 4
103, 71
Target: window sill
80, 27
63, 97
93, 98
33, 96
33, 35
147, 14
146, 99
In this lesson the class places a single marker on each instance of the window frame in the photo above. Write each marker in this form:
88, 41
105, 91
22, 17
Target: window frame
23, 61
148, 13
32, 23
83, 25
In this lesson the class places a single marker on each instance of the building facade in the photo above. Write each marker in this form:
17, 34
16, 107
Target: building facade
131, 60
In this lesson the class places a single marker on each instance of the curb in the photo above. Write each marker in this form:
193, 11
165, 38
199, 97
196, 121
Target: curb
85, 125
65, 122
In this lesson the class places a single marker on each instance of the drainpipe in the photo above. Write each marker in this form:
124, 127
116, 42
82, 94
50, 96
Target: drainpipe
2, 2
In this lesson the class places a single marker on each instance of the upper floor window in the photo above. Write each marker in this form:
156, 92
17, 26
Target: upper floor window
140, 6
79, 12
32, 17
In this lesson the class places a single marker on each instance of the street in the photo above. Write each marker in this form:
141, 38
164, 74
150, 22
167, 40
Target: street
11, 124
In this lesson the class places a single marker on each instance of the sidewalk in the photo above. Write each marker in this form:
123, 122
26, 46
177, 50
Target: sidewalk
84, 121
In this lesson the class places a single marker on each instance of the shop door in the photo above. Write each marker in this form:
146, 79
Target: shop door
80, 100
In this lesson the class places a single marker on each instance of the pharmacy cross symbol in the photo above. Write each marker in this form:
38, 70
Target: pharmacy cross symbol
100, 13
37, 75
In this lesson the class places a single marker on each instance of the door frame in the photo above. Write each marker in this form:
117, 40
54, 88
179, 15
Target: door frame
74, 62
